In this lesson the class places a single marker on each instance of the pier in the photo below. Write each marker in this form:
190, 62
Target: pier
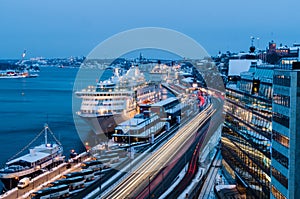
42, 180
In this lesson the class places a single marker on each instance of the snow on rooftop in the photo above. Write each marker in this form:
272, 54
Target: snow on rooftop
220, 187
164, 102
132, 122
236, 66
30, 158
188, 80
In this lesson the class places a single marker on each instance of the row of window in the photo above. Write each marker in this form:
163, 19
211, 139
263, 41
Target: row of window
281, 100
247, 116
283, 140
282, 80
277, 194
281, 178
244, 165
281, 119
260, 122
245, 86
283, 160
263, 107
257, 140
265, 91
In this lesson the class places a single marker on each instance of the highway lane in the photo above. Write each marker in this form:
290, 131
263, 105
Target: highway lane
117, 172
201, 142
175, 147
192, 169
173, 169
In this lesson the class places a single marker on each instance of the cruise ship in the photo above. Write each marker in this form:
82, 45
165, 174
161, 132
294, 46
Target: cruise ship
39, 158
116, 99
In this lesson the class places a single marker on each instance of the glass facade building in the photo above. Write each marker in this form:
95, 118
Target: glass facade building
261, 135
247, 133
285, 180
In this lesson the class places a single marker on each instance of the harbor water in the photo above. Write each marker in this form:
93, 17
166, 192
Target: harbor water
26, 104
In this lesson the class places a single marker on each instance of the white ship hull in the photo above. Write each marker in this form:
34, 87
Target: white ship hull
28, 171
115, 100
104, 124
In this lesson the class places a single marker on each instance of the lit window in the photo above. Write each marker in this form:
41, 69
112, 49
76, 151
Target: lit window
283, 140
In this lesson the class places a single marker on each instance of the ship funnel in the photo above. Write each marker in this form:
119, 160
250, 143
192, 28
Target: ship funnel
32, 152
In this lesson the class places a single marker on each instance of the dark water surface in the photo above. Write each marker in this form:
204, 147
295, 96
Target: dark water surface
27, 104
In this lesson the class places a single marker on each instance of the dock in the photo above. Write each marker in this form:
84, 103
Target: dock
42, 180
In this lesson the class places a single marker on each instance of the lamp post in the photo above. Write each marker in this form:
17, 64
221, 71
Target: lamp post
129, 143
149, 183
100, 182
163, 177
87, 147
130, 151
185, 161
109, 126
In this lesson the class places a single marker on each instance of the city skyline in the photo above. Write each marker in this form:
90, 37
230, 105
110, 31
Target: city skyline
63, 29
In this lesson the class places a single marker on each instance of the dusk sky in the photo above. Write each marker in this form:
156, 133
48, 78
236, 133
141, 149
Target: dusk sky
63, 28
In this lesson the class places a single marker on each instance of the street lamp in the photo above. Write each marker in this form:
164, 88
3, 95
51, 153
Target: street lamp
87, 147
185, 161
149, 183
163, 177
100, 182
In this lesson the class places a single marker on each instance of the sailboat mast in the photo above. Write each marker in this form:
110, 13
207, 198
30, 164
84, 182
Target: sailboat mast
46, 138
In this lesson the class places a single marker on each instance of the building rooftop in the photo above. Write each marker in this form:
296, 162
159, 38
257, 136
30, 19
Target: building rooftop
30, 157
166, 101
229, 191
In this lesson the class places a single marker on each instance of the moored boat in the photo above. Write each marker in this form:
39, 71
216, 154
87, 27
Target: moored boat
39, 158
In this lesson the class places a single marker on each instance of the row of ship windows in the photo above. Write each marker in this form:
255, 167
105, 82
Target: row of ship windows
281, 178
96, 99
101, 104
103, 112
108, 94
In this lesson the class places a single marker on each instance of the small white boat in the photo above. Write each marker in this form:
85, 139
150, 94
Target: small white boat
32, 164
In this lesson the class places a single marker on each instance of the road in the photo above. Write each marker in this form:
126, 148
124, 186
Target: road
166, 156
211, 178
192, 169
203, 138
